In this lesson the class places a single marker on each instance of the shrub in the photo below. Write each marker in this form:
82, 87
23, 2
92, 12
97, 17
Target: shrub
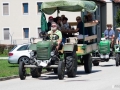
10, 47
2, 47
118, 18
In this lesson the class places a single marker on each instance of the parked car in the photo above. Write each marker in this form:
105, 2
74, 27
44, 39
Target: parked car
18, 53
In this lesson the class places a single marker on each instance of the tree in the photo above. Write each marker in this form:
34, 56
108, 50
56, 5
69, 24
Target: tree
118, 18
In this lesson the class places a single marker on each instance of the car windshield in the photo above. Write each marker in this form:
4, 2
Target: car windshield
13, 48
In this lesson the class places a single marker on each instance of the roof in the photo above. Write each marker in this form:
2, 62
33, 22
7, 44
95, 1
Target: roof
68, 5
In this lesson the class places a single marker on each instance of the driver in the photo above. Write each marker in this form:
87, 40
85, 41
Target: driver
54, 30
110, 34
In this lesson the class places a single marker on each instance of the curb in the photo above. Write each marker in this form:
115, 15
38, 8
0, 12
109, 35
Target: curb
16, 76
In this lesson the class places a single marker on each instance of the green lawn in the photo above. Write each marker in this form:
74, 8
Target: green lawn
7, 69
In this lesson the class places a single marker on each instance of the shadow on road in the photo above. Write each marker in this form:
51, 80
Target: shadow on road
106, 65
51, 75
83, 72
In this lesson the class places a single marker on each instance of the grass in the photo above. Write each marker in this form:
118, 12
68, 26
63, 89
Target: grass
7, 69
5, 54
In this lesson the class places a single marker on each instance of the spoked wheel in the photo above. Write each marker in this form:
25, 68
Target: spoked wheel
61, 70
22, 71
117, 60
71, 65
87, 63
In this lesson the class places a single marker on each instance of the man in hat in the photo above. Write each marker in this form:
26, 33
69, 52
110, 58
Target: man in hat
110, 34
118, 39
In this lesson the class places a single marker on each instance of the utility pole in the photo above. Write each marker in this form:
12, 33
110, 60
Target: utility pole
11, 37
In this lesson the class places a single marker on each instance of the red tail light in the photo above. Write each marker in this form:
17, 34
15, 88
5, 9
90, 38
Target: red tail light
10, 54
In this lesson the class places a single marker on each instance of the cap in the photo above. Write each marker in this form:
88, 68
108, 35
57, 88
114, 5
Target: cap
50, 17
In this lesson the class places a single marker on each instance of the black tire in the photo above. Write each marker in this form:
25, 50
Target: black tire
117, 60
87, 63
22, 71
71, 65
61, 70
96, 63
55, 70
35, 72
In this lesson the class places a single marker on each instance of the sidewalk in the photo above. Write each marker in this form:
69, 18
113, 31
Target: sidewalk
1, 58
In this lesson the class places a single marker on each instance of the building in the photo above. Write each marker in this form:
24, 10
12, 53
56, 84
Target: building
20, 19
116, 6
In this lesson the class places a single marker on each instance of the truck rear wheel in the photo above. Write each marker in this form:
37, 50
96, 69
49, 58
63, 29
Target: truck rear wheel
87, 63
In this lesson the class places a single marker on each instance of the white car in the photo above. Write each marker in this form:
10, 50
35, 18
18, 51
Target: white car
18, 53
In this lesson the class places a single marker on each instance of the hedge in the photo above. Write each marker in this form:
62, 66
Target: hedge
3, 47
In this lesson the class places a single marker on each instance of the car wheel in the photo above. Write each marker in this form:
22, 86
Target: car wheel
24, 58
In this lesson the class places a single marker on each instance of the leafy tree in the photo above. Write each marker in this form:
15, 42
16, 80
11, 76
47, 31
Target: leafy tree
118, 18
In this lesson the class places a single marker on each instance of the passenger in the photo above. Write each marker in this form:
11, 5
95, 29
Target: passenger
55, 30
62, 16
110, 34
65, 26
90, 20
58, 22
118, 38
80, 26
50, 20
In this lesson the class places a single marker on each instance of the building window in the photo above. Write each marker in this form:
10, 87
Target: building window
39, 30
26, 32
6, 34
5, 9
38, 6
25, 8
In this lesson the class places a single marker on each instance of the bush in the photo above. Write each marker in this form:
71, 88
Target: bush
2, 47
118, 18
10, 47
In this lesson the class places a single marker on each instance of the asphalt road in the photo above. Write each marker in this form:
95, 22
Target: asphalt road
103, 77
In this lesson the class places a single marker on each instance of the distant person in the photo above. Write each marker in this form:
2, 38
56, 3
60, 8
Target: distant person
118, 38
110, 34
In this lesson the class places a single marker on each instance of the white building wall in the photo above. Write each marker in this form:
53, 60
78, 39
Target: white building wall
16, 21
109, 13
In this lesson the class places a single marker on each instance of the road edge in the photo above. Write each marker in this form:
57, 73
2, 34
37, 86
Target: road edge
16, 76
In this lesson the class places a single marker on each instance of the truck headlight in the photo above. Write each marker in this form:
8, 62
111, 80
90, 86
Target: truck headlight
31, 53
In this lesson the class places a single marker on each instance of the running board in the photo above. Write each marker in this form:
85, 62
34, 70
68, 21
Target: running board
34, 66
